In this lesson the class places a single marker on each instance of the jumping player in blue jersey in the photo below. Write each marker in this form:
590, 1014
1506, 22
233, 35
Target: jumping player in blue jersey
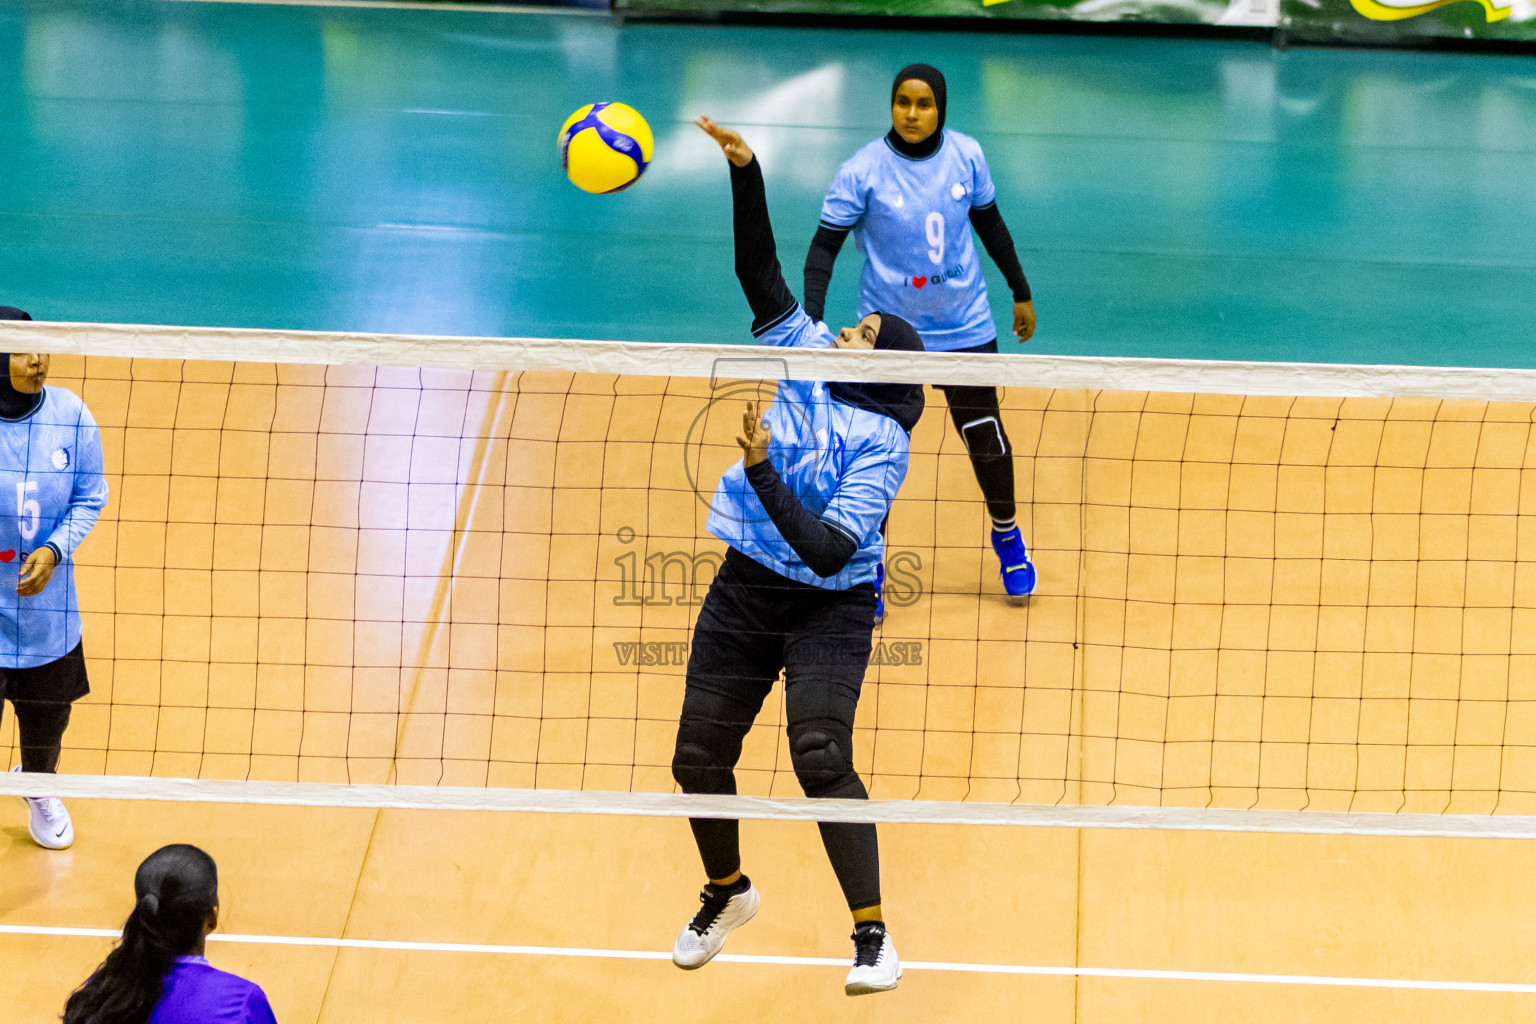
51, 491
801, 513
911, 199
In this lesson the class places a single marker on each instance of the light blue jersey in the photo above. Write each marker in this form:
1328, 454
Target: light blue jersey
51, 491
911, 219
844, 463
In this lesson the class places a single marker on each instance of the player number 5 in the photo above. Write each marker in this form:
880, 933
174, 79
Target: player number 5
28, 512
935, 229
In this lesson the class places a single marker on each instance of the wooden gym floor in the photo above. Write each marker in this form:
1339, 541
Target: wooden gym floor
1351, 908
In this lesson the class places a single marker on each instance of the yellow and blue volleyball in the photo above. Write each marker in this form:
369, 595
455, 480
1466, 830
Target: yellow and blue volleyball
605, 147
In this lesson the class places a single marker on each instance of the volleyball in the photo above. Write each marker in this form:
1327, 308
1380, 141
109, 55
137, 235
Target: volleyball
605, 147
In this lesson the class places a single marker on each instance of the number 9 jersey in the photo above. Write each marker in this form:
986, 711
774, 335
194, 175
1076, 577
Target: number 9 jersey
911, 219
51, 492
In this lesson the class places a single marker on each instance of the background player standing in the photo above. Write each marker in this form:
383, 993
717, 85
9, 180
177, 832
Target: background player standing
911, 199
51, 492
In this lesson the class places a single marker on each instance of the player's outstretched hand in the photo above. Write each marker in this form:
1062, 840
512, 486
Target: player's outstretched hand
754, 436
1024, 320
36, 573
731, 143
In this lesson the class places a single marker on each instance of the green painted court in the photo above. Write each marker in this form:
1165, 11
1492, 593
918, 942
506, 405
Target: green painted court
367, 169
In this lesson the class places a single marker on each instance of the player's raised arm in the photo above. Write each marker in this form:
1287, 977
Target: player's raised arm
757, 259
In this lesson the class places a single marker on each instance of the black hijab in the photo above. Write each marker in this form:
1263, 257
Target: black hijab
14, 405
901, 402
929, 146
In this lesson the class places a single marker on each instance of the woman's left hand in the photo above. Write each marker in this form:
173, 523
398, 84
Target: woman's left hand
36, 573
754, 436
1024, 320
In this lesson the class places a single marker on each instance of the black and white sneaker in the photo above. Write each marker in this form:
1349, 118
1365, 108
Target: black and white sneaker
722, 913
875, 965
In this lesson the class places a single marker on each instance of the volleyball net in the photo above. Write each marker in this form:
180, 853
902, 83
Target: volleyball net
356, 559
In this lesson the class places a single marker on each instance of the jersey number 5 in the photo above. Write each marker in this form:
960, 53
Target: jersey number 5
28, 512
935, 229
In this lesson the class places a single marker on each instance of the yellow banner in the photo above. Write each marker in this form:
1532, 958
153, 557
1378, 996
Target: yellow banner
1378, 11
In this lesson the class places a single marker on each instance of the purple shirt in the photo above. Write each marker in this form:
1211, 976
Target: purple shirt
196, 993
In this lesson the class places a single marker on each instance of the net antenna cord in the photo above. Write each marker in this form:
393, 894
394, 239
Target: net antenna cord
652, 359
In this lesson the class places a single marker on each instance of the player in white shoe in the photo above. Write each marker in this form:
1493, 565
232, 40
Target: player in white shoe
51, 492
794, 592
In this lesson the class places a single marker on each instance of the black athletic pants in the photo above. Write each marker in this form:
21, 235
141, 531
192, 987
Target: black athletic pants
753, 624
979, 422
42, 697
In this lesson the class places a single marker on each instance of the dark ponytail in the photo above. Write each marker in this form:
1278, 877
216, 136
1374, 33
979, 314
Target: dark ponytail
177, 887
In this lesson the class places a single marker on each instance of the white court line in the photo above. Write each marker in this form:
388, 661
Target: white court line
407, 5
819, 961
680, 805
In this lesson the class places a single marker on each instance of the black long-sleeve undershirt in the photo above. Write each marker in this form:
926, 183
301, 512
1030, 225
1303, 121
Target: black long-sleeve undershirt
823, 547
757, 258
825, 246
994, 235
988, 222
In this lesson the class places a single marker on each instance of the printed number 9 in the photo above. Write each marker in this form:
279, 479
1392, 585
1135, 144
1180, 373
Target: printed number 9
935, 229
28, 512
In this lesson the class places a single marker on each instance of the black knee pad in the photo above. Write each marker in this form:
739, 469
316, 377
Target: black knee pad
985, 437
704, 757
823, 759
695, 768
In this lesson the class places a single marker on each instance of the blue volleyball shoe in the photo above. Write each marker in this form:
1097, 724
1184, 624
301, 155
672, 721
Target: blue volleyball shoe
880, 593
1018, 572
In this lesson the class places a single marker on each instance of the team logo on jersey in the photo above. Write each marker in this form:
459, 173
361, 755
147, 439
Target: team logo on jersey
957, 190
60, 458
